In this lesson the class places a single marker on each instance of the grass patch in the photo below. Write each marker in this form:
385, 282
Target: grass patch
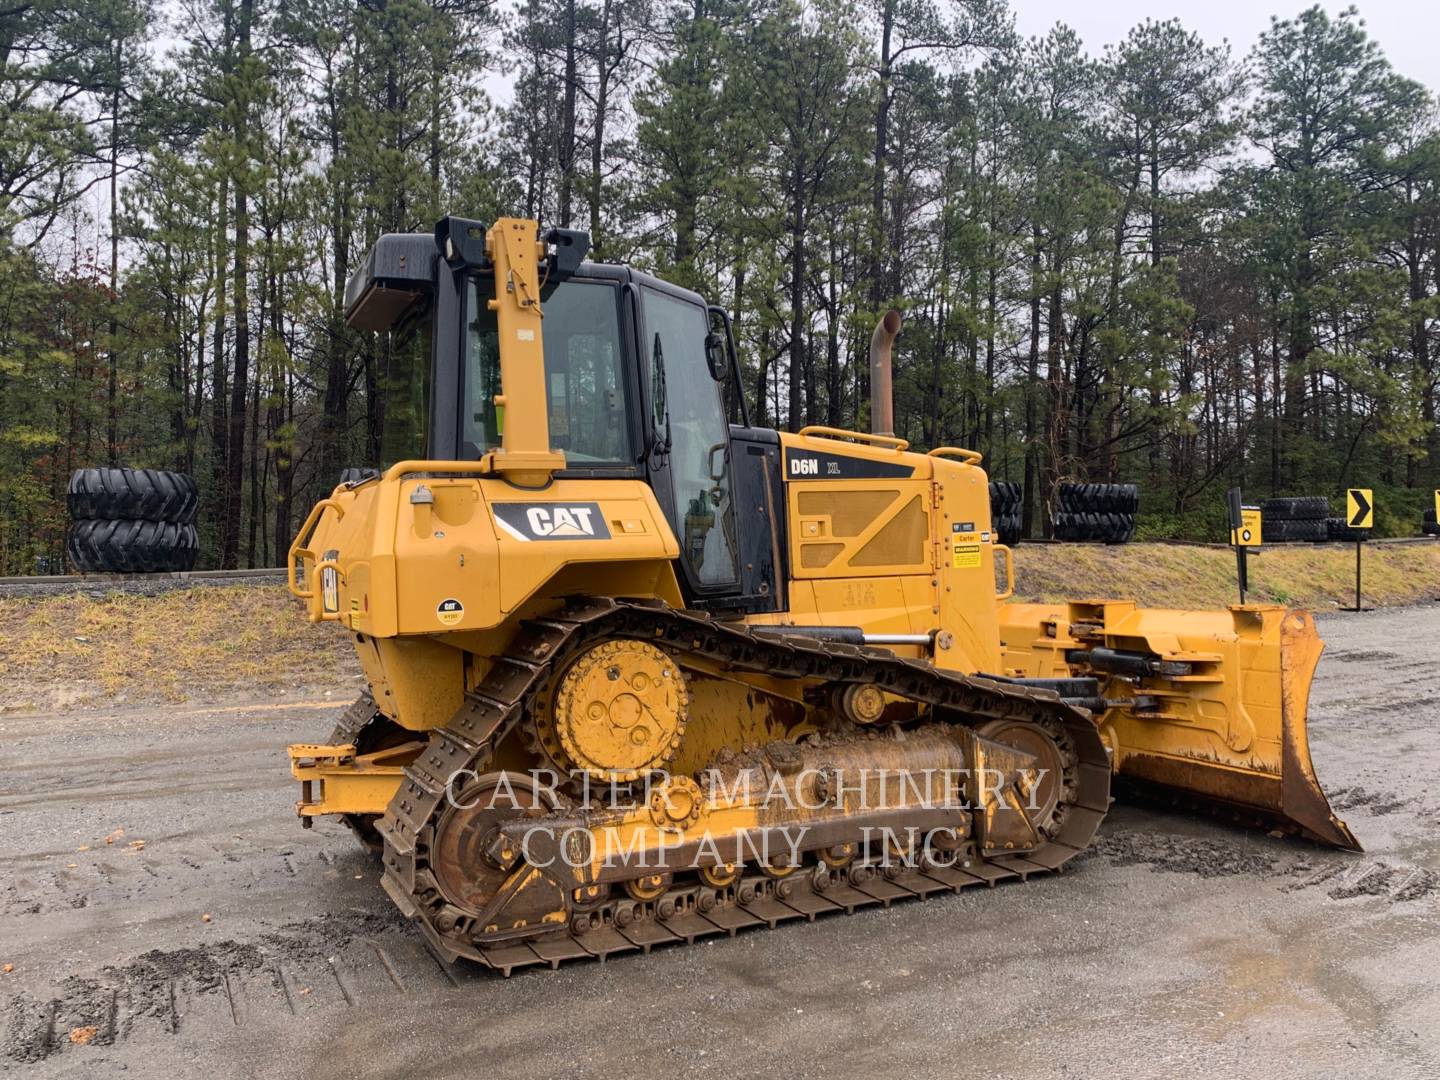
1320, 577
253, 641
197, 644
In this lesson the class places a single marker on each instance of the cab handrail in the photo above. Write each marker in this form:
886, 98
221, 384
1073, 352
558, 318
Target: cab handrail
969, 457
401, 469
821, 431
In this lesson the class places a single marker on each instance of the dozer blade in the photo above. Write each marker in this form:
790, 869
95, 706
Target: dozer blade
1207, 706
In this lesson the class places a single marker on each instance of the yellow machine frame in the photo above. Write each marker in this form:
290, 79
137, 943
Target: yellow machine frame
418, 568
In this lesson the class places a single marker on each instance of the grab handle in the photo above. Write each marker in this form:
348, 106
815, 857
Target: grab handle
840, 433
969, 457
1009, 572
298, 552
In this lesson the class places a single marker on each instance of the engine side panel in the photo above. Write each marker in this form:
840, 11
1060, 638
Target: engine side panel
893, 543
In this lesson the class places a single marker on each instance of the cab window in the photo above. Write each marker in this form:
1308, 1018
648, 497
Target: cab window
407, 390
587, 393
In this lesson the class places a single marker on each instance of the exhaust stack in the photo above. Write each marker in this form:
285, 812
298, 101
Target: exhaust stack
882, 402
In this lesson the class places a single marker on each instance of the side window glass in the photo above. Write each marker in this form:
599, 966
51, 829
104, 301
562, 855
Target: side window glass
585, 375
690, 414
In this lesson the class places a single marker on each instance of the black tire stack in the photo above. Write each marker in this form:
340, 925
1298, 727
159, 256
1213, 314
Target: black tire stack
1428, 527
1005, 511
1337, 529
1302, 518
1097, 512
132, 521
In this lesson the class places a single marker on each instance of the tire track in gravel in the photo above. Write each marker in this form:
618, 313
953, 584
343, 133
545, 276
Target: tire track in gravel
313, 965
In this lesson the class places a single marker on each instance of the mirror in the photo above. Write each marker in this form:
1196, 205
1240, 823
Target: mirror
723, 450
715, 356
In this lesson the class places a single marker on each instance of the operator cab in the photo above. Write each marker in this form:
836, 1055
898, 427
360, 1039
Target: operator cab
637, 375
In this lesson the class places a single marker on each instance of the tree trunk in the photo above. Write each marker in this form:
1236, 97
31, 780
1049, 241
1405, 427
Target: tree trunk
567, 123
239, 383
219, 428
1032, 375
879, 232
1419, 348
1277, 398
1057, 426
112, 388
833, 392
257, 474
992, 272
335, 419
603, 72
797, 298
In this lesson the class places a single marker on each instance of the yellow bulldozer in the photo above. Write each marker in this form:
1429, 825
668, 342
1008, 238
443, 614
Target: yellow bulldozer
640, 672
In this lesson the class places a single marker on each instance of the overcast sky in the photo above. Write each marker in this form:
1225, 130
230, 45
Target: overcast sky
1407, 30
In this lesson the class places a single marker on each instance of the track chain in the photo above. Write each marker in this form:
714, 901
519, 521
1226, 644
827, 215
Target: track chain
491, 711
360, 715
360, 718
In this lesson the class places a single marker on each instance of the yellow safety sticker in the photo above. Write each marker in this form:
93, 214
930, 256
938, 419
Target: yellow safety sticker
966, 553
450, 612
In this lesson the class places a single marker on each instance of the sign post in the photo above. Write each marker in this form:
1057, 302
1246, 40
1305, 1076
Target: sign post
1245, 533
1359, 514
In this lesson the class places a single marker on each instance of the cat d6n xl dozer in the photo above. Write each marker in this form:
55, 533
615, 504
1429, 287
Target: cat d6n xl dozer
639, 674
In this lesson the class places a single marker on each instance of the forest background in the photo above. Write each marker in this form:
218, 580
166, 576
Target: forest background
1169, 262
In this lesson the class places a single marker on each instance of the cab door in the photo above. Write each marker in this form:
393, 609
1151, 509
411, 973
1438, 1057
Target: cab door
690, 460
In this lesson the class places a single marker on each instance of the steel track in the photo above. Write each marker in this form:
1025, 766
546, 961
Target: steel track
690, 910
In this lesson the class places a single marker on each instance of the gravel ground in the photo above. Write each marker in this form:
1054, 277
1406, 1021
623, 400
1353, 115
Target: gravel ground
1177, 947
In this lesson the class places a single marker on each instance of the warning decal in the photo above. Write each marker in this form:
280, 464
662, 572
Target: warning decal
966, 551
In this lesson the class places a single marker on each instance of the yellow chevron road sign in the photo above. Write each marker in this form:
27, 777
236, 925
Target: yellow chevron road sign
1359, 508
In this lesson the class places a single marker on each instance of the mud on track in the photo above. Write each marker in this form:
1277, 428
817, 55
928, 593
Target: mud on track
1175, 946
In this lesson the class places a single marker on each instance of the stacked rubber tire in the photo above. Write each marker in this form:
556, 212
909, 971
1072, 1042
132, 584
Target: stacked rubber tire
1303, 518
1428, 527
132, 521
1337, 529
1005, 511
1103, 512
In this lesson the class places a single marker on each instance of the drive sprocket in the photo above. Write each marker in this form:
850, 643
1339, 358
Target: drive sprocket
617, 713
